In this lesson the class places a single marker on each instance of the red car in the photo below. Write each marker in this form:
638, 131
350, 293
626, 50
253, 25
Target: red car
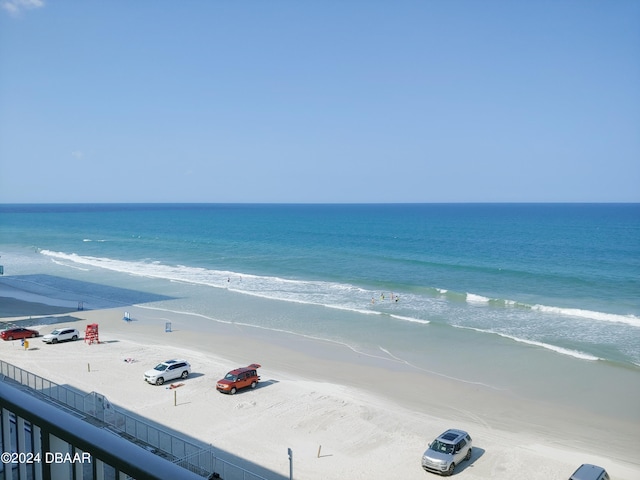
239, 378
18, 333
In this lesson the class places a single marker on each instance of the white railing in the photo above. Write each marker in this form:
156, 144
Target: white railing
198, 458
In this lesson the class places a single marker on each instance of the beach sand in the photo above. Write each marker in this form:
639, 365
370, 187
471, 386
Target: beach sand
344, 415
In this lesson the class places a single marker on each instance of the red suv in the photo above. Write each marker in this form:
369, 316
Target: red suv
239, 378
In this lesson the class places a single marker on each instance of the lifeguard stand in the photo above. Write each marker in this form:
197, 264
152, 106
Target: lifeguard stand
91, 334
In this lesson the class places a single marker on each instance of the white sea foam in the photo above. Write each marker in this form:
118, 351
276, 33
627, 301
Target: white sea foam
356, 310
473, 298
631, 320
555, 348
69, 266
410, 319
328, 294
576, 312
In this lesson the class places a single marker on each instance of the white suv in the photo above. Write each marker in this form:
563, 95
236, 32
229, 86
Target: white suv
61, 335
446, 451
169, 370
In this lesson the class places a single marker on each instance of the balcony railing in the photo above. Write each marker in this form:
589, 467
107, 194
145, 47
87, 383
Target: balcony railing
199, 459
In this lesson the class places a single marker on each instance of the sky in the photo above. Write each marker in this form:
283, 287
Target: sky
329, 101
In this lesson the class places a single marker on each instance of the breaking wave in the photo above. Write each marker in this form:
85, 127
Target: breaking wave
316, 292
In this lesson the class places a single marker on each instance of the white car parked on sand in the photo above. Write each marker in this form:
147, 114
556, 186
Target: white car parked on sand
61, 335
169, 370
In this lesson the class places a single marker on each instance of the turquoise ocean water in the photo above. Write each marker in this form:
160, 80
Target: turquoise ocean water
561, 279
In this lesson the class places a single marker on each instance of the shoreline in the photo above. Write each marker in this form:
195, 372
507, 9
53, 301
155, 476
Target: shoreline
319, 393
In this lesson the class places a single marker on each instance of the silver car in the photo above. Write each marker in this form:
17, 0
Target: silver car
590, 472
447, 451
61, 335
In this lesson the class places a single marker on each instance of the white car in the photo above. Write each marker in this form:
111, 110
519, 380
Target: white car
169, 370
447, 451
61, 335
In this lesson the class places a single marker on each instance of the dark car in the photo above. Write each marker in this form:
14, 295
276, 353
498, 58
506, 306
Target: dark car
18, 333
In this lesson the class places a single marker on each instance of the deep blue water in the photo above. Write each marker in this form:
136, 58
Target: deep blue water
561, 277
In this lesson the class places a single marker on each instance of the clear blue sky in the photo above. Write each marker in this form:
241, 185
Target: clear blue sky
319, 101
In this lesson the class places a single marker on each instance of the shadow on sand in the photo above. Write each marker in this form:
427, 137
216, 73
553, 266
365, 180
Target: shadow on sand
476, 453
78, 294
126, 423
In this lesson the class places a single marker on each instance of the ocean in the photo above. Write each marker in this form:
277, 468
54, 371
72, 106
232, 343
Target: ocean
407, 282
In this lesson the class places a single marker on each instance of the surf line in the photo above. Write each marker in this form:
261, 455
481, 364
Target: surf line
462, 380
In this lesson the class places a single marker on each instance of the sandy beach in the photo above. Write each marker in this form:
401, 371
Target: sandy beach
344, 415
